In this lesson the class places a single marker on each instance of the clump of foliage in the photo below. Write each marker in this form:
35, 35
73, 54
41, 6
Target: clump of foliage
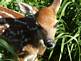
68, 32
68, 36
7, 52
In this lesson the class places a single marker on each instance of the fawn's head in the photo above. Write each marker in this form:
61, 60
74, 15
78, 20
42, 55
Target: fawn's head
46, 20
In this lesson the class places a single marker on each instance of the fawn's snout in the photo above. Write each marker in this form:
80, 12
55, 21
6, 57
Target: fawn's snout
49, 43
48, 36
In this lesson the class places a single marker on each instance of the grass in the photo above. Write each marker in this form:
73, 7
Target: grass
68, 36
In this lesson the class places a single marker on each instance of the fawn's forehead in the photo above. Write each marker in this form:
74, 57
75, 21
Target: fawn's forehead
47, 21
46, 17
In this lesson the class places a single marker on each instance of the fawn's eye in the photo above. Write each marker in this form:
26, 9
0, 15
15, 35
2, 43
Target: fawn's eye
40, 27
55, 25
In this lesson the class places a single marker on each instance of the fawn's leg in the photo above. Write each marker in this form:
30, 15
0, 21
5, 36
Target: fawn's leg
29, 53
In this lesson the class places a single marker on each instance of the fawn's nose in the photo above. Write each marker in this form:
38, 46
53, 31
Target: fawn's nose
49, 43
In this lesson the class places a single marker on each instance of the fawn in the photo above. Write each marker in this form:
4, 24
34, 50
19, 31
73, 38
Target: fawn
30, 35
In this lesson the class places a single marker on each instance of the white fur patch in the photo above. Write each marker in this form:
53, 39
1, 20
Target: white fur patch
42, 42
31, 57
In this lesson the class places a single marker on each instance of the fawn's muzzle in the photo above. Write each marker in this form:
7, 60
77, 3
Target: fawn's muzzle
49, 43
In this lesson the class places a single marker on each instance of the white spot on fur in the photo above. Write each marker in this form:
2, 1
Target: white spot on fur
7, 25
1, 17
7, 14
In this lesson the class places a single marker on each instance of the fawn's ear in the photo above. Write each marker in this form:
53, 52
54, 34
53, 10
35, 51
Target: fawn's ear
56, 5
25, 8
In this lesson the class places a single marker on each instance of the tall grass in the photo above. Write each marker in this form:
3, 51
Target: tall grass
68, 36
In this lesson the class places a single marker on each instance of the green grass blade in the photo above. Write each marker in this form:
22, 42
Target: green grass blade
62, 48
